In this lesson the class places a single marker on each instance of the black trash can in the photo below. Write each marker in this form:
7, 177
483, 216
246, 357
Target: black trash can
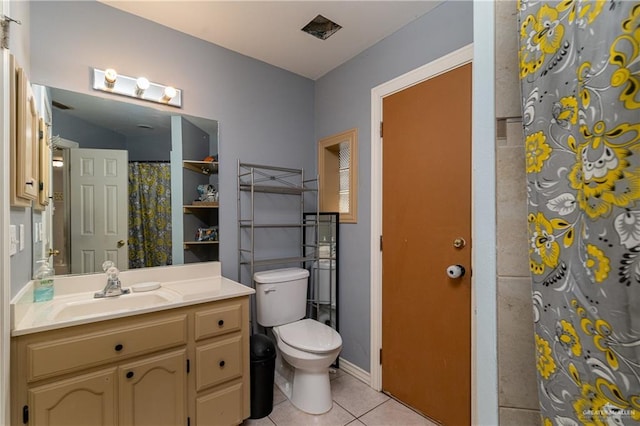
262, 369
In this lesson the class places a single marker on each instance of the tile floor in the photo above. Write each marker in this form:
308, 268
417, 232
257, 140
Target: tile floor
354, 403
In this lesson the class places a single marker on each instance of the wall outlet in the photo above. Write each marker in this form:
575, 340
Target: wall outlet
13, 240
21, 237
37, 232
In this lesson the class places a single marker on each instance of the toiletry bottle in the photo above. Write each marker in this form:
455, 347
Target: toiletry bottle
43, 282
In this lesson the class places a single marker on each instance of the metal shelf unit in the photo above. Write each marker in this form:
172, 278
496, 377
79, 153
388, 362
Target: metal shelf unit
255, 180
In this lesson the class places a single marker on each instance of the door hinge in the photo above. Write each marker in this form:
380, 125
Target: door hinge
25, 414
380, 242
381, 129
188, 366
380, 356
5, 22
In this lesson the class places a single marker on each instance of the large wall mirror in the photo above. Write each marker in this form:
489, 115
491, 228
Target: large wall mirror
130, 183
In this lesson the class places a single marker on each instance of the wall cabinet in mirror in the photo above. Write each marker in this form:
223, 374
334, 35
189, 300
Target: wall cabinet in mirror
44, 166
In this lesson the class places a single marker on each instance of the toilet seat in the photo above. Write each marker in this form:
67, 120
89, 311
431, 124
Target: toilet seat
310, 335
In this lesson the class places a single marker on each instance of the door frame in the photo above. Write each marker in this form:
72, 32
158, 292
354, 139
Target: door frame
5, 272
483, 327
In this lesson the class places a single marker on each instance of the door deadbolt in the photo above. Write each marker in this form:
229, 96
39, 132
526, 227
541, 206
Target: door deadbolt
459, 242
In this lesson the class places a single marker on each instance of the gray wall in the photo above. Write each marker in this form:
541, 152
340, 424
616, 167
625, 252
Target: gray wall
149, 148
86, 134
343, 101
19, 44
265, 113
517, 379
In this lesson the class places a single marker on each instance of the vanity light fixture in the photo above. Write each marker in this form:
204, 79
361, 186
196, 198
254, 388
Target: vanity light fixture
136, 87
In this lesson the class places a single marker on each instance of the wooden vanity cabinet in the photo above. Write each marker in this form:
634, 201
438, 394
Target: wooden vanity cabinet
183, 366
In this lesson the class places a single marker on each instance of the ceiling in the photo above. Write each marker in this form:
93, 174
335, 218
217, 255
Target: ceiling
270, 31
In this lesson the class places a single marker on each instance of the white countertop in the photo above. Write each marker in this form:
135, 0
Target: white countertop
180, 285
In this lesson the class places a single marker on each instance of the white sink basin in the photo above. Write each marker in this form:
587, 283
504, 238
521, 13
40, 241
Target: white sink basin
88, 306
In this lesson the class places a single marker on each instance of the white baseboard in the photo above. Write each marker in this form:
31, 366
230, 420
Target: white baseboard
355, 371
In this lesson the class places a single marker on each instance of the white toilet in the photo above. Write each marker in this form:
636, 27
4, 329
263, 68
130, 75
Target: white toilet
308, 346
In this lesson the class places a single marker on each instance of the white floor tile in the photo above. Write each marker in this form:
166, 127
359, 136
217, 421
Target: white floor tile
286, 414
354, 396
278, 396
265, 421
392, 413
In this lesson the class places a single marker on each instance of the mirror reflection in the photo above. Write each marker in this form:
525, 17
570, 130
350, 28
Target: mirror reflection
119, 185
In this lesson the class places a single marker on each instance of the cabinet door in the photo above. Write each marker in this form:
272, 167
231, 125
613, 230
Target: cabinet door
27, 140
89, 399
153, 390
221, 408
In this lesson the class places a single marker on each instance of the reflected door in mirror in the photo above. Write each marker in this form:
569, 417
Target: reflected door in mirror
99, 209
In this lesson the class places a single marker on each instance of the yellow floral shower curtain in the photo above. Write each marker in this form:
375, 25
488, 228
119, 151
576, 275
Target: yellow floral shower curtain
580, 80
149, 214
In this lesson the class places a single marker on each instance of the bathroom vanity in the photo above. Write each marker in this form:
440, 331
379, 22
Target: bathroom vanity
178, 357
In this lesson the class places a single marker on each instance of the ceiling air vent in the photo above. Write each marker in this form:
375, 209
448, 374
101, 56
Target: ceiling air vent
321, 27
60, 105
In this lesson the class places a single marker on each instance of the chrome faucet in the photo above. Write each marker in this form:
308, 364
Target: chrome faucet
114, 286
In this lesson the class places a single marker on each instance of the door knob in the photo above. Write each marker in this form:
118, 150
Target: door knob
53, 252
455, 271
121, 243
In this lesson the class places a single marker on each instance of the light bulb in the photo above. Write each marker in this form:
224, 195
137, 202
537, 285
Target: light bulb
169, 93
110, 76
142, 84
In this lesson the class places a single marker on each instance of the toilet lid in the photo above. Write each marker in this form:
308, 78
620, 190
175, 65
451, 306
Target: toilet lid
310, 335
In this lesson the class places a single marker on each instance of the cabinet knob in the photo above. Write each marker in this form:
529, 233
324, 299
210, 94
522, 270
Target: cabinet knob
220, 323
118, 347
221, 364
129, 374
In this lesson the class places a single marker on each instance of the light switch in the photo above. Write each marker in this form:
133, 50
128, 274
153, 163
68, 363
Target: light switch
35, 232
21, 237
13, 240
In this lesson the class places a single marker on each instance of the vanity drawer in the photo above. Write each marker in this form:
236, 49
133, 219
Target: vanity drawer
53, 357
220, 408
218, 362
218, 321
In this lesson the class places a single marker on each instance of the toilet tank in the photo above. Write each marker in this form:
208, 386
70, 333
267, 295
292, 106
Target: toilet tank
281, 295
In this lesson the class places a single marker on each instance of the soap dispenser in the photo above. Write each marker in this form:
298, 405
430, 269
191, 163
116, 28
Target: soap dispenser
43, 282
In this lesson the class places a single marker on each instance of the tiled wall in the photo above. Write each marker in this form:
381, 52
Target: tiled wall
517, 388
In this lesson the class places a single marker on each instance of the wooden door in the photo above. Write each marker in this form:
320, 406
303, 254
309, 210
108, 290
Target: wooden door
99, 209
426, 316
89, 399
153, 391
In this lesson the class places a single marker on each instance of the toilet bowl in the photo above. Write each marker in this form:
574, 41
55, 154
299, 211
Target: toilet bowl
310, 348
305, 345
